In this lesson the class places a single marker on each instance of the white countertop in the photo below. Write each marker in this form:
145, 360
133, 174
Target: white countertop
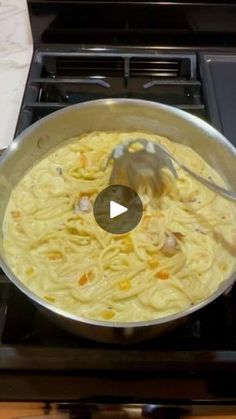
15, 55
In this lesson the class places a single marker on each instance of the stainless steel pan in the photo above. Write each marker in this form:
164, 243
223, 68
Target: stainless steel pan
112, 114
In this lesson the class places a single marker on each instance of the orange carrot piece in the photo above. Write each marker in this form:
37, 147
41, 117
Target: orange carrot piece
83, 279
107, 314
163, 275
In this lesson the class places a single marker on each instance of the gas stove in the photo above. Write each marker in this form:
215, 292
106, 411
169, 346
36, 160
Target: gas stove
179, 53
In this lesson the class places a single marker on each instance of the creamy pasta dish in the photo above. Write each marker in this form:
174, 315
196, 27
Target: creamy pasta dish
183, 248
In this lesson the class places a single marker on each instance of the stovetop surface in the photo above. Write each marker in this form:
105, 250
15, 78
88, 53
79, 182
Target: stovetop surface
59, 78
197, 362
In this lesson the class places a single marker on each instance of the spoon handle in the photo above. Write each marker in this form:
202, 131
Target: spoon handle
230, 195
156, 149
215, 188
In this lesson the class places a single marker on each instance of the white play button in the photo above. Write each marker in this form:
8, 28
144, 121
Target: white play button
116, 209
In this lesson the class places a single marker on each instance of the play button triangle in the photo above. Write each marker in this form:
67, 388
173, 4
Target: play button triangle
116, 209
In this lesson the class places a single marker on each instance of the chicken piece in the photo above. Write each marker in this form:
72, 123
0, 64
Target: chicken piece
170, 246
83, 205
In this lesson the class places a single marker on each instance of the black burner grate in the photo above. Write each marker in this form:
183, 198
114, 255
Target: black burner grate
60, 79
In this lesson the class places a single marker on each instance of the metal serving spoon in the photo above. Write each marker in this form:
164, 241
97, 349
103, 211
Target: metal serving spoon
133, 167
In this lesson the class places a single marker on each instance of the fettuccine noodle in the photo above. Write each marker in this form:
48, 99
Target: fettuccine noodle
177, 256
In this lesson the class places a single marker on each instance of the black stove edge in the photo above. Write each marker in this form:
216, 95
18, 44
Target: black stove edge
112, 360
197, 395
135, 49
